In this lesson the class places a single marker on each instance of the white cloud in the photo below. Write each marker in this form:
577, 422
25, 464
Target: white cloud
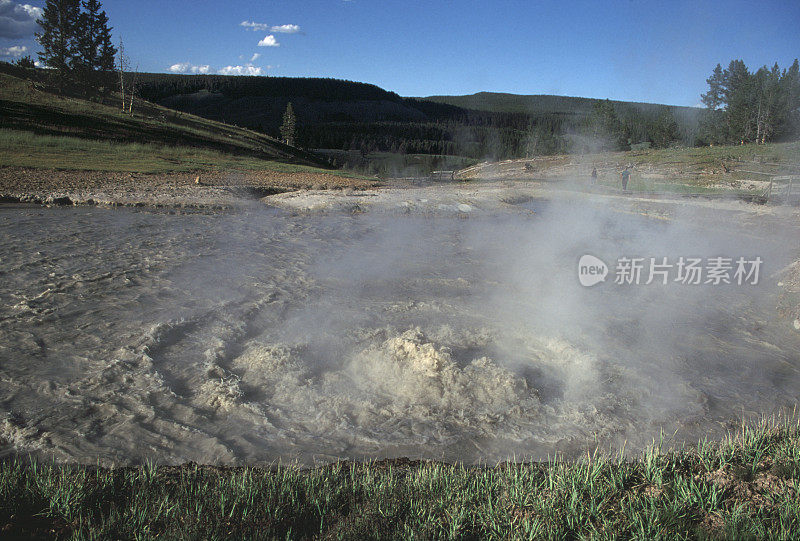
179, 68
18, 20
186, 67
247, 69
255, 57
269, 41
285, 29
278, 29
254, 26
16, 50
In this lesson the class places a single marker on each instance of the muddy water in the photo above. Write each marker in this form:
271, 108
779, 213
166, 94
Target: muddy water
255, 335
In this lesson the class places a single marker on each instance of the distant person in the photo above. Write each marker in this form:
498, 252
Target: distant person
626, 174
594, 175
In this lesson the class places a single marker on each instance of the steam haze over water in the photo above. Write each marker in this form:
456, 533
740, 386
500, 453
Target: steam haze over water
256, 335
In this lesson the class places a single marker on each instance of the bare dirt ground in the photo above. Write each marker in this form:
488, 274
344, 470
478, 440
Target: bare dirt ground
476, 197
218, 189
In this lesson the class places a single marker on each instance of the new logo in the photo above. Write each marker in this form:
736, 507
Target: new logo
591, 270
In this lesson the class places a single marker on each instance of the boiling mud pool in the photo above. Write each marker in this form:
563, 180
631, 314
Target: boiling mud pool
255, 335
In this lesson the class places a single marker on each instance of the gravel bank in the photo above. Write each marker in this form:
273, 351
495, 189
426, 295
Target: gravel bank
204, 190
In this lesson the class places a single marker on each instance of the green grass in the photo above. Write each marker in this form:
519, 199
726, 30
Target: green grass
26, 149
44, 130
744, 161
788, 153
393, 164
745, 486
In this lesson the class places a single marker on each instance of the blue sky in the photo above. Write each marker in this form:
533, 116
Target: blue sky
658, 52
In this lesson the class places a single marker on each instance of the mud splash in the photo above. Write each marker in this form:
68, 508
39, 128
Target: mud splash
257, 335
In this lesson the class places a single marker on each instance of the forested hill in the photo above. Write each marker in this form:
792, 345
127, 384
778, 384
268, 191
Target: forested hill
346, 115
261, 101
541, 103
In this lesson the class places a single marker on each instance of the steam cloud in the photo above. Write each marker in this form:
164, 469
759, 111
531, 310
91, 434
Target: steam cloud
261, 336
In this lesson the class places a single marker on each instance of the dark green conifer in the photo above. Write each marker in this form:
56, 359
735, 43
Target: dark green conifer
289, 126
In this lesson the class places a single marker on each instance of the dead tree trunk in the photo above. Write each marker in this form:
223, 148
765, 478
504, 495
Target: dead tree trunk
132, 91
759, 123
123, 65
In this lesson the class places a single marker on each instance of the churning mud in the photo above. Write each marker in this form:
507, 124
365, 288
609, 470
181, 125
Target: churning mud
258, 335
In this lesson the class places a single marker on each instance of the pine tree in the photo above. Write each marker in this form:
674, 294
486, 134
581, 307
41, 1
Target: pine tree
88, 39
751, 107
607, 131
59, 23
770, 110
96, 52
664, 129
289, 126
107, 53
716, 92
790, 82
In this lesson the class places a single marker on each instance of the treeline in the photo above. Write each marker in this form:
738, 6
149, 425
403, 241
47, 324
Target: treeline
480, 135
609, 127
157, 86
751, 107
473, 136
347, 116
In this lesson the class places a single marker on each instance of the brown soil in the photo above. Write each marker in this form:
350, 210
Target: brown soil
20, 180
756, 490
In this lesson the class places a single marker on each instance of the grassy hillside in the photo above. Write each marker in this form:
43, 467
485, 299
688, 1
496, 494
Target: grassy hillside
41, 129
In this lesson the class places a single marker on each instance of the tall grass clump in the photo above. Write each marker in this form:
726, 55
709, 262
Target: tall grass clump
744, 486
